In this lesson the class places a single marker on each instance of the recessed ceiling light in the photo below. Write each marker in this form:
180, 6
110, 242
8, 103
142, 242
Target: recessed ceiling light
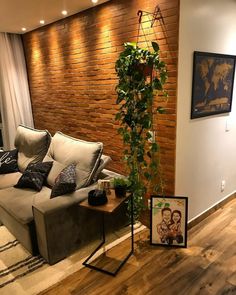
64, 12
23, 29
94, 1
42, 22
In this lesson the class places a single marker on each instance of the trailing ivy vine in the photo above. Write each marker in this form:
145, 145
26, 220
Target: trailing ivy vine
141, 75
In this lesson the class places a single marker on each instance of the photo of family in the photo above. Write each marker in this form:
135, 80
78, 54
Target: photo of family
169, 221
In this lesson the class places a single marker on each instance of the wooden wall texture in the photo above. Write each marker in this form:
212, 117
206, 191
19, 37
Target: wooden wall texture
72, 77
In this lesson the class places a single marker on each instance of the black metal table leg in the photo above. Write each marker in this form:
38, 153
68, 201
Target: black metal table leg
87, 264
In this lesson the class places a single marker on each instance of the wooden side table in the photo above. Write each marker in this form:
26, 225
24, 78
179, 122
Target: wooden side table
113, 204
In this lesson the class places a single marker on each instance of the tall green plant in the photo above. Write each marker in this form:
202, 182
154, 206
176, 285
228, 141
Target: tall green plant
136, 92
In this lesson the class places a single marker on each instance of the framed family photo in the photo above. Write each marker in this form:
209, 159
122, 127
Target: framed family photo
213, 81
169, 215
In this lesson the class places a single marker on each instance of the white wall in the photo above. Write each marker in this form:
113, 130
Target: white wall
206, 153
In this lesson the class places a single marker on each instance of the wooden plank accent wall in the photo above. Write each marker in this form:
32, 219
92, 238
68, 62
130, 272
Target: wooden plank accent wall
72, 77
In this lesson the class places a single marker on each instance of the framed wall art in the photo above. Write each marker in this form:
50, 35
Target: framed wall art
169, 215
213, 80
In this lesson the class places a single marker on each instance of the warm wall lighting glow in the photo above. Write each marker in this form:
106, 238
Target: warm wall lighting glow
42, 22
23, 29
36, 55
64, 12
94, 1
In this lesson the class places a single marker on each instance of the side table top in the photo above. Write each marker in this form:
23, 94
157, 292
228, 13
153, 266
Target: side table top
112, 204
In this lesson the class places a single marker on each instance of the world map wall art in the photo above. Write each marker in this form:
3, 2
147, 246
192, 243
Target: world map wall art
213, 80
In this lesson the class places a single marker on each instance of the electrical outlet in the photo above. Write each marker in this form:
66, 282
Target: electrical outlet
222, 188
149, 204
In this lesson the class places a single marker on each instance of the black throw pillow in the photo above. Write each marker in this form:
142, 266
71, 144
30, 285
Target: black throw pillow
8, 162
35, 176
65, 181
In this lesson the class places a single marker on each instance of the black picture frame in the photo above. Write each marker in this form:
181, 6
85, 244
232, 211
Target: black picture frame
165, 229
212, 86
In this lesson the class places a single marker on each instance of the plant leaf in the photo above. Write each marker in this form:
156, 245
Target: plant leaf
155, 46
154, 147
161, 110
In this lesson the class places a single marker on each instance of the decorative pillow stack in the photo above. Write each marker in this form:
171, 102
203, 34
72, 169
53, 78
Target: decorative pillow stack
34, 176
65, 181
8, 162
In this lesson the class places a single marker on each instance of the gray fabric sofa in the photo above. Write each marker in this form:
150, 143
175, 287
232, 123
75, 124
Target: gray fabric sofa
58, 226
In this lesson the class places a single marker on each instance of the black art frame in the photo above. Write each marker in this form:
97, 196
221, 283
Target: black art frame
171, 237
213, 81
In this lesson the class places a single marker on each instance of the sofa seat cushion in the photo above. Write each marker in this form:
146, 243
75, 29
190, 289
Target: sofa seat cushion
32, 145
67, 150
18, 202
9, 180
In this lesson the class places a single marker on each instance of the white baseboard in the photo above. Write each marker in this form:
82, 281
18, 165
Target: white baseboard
211, 209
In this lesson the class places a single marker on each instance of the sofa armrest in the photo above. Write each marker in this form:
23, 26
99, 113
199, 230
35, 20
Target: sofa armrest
108, 174
62, 226
58, 224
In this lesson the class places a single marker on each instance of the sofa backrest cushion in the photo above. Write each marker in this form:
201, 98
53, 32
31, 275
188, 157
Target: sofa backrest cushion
32, 145
67, 150
55, 171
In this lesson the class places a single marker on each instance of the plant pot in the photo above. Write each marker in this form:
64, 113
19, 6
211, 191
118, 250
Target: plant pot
120, 191
145, 69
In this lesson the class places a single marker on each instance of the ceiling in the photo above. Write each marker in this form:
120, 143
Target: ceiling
16, 14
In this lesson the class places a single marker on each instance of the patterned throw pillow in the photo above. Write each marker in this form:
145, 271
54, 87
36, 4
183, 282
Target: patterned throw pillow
34, 176
65, 181
8, 162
